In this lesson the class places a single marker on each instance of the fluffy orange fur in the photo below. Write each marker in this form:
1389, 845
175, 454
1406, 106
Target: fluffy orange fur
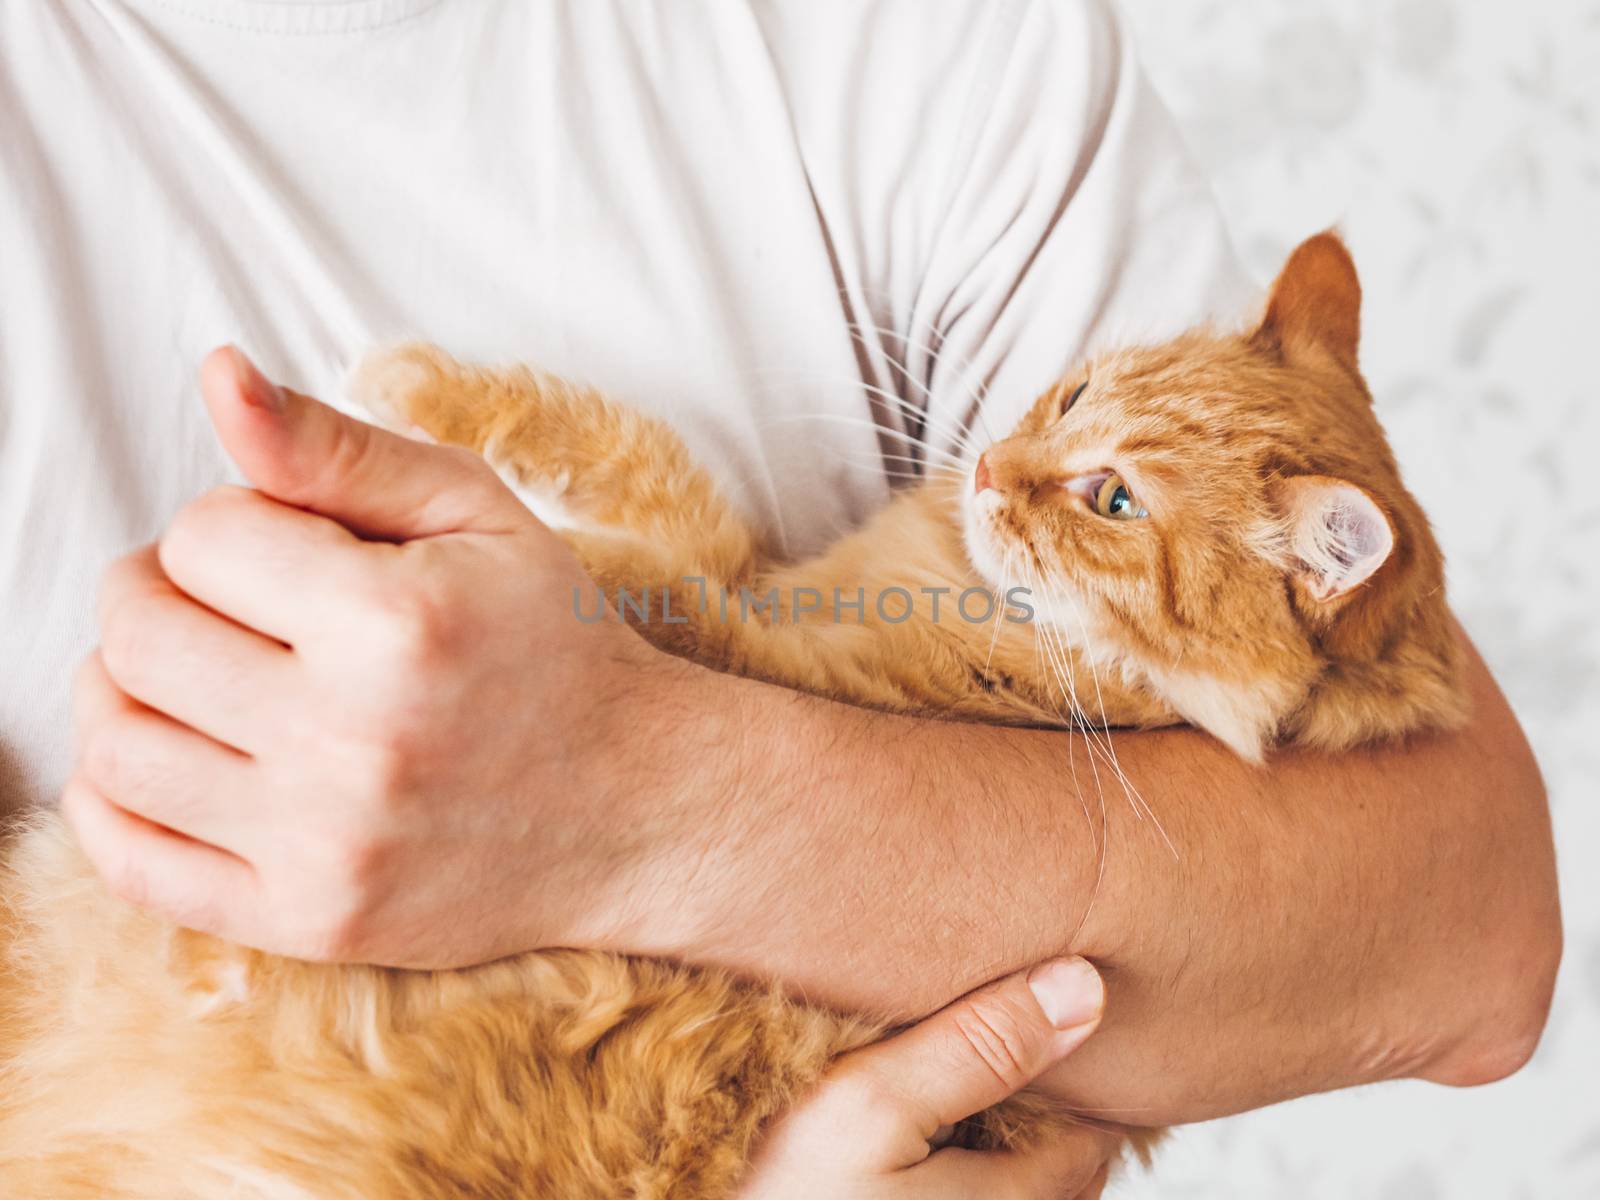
1279, 585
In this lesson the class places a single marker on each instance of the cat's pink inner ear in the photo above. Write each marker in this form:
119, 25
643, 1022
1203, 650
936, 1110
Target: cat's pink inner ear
1338, 534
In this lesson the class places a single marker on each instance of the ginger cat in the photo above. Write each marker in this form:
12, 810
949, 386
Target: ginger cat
1212, 530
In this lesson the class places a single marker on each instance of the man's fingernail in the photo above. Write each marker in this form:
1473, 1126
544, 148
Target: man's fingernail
258, 389
1069, 990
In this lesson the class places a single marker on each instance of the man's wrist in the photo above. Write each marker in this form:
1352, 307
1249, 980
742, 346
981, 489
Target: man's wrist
675, 751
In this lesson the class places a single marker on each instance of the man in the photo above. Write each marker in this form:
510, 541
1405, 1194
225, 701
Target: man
867, 225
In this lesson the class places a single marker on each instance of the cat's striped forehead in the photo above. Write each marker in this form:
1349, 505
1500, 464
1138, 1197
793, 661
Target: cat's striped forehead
1218, 409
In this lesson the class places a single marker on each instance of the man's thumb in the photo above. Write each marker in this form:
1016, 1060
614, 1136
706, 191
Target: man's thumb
991, 1043
300, 451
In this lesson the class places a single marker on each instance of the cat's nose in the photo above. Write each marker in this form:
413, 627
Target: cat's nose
980, 477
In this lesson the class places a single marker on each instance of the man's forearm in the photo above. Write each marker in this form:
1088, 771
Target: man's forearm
1318, 923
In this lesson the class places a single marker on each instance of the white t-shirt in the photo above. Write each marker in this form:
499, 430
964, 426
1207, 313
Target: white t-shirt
743, 216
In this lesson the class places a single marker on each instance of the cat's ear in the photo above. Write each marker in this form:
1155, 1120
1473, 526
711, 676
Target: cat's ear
1337, 534
1315, 301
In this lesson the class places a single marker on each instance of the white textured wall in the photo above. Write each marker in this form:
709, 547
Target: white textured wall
1457, 144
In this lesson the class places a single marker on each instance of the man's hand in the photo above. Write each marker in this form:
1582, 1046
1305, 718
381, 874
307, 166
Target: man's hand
385, 747
865, 1133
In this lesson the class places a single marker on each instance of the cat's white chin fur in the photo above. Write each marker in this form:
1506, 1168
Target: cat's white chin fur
977, 513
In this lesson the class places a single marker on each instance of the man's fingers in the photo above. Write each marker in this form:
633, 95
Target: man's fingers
152, 767
155, 869
149, 765
376, 483
877, 1108
270, 567
178, 657
1097, 1185
95, 700
991, 1043
1072, 1167
1076, 1165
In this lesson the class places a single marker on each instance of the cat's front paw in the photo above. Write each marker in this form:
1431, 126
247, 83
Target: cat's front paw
391, 383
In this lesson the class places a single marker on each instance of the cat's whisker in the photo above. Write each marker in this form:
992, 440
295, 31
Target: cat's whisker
1099, 836
1000, 612
935, 357
1061, 658
978, 394
953, 431
1053, 631
1050, 671
961, 433
898, 474
1096, 735
956, 435
930, 468
1062, 670
1135, 798
1061, 667
908, 474
921, 462
842, 419
743, 484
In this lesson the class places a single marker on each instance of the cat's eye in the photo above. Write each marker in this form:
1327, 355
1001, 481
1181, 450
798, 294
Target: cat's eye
1073, 399
1114, 500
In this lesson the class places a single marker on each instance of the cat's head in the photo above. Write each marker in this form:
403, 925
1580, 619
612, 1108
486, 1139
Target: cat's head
1220, 519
